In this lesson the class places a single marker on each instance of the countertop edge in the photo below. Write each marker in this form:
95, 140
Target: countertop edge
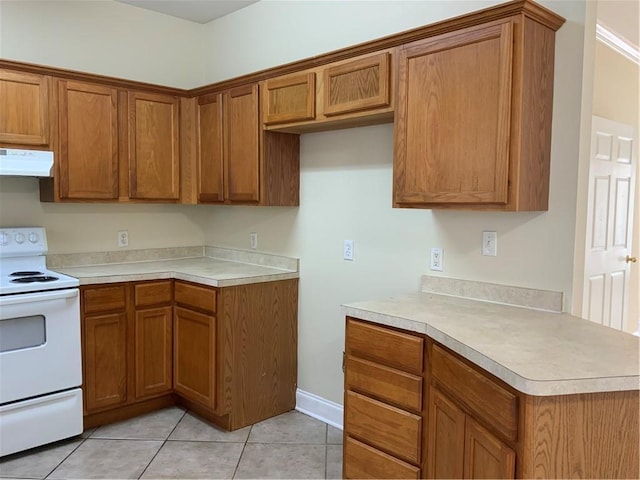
511, 378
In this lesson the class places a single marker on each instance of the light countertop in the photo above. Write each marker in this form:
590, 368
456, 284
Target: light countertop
204, 270
536, 352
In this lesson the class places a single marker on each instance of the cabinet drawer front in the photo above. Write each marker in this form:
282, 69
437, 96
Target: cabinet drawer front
359, 85
201, 298
289, 99
363, 461
103, 299
400, 388
383, 426
153, 293
485, 398
388, 347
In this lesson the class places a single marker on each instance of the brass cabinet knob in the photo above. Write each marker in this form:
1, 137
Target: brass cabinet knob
630, 259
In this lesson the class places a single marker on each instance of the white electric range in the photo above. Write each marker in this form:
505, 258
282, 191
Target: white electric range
40, 352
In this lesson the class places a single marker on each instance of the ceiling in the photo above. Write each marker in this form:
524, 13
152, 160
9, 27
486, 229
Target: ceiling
200, 11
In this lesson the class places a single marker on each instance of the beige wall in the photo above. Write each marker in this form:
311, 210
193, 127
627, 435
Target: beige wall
104, 37
616, 96
346, 184
345, 177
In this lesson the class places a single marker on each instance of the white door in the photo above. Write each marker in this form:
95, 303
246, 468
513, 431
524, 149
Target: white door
609, 224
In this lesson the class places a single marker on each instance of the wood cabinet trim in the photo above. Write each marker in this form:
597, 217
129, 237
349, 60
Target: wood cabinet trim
527, 8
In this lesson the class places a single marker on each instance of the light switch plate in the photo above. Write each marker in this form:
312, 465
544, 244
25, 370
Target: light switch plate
490, 244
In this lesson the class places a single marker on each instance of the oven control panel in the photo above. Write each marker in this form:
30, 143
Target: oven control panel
22, 241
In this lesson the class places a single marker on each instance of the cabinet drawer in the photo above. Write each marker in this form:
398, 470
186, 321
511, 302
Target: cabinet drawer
400, 388
152, 293
363, 461
201, 298
383, 426
485, 398
358, 85
388, 347
103, 299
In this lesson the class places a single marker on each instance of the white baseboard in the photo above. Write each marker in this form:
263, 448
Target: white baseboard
320, 408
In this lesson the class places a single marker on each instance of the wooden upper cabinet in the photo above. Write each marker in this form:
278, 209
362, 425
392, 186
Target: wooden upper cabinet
241, 145
289, 99
473, 118
453, 118
24, 108
88, 152
154, 167
210, 155
357, 85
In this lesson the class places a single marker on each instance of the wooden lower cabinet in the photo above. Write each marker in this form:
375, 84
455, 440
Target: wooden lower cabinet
414, 409
461, 448
229, 354
195, 348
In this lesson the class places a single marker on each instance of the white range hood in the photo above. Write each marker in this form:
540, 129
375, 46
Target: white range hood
25, 163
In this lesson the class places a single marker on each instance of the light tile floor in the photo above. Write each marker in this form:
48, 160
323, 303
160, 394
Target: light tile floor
173, 443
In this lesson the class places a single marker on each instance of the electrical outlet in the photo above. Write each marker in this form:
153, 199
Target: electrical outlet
253, 240
348, 250
123, 238
490, 244
436, 259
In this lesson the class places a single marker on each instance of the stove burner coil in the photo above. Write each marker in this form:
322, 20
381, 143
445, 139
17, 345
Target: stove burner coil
26, 273
38, 278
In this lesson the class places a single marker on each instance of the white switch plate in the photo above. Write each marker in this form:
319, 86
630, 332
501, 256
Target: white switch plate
490, 244
348, 250
436, 259
253, 240
123, 238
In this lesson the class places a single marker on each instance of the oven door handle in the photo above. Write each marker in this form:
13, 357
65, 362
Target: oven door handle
38, 297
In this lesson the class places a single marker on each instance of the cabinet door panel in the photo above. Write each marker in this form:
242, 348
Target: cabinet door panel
88, 121
359, 85
242, 161
153, 351
105, 360
363, 461
484, 455
289, 99
194, 356
383, 426
210, 149
453, 118
24, 108
153, 147
445, 437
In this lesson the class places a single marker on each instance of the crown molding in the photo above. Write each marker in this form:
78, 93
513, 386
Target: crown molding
618, 44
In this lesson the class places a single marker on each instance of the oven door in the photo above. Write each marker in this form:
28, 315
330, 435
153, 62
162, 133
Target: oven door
39, 344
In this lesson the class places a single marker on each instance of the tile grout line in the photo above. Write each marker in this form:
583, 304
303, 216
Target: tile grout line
184, 413
62, 461
235, 471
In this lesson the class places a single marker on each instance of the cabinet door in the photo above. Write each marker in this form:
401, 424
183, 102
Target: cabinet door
153, 351
194, 371
105, 360
88, 122
484, 455
453, 118
153, 147
242, 159
289, 99
210, 149
359, 85
24, 108
445, 434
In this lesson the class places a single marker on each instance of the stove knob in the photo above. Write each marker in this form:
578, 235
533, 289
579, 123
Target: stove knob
4, 239
19, 238
34, 237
